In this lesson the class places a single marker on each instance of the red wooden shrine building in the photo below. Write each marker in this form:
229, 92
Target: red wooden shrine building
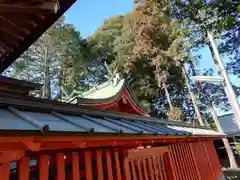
104, 139
44, 139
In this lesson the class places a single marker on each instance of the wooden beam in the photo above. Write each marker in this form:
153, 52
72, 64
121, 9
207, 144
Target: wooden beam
46, 7
9, 156
8, 40
23, 22
6, 31
14, 28
140, 153
32, 146
8, 48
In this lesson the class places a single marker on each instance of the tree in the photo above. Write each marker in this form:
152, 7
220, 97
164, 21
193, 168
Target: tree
57, 60
159, 42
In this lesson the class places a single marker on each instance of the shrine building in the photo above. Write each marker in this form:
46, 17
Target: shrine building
103, 136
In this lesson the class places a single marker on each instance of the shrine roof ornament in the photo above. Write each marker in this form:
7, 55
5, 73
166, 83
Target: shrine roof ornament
22, 22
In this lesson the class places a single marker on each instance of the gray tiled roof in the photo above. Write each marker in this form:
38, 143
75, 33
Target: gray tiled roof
15, 119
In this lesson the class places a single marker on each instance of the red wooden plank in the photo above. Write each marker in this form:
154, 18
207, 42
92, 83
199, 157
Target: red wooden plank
117, 165
173, 164
5, 171
180, 163
126, 169
163, 166
88, 165
191, 165
155, 168
60, 166
187, 161
145, 169
23, 168
140, 153
150, 166
168, 167
43, 167
133, 170
208, 160
109, 165
99, 164
75, 166
195, 161
159, 166
139, 169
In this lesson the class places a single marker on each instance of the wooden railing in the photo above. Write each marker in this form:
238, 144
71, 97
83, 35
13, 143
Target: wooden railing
182, 161
195, 161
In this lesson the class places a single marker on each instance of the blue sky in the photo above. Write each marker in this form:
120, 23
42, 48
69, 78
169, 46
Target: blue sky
88, 15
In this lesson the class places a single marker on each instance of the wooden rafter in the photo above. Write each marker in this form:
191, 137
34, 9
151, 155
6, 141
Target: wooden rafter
12, 26
23, 21
8, 48
14, 35
47, 7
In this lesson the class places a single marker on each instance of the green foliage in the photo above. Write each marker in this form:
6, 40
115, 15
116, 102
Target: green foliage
58, 59
148, 46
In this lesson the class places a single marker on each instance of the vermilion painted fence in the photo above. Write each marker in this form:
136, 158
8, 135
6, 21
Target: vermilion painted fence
181, 161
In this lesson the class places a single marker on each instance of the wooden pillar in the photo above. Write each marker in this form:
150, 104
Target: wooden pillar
23, 168
117, 165
99, 164
60, 166
109, 165
88, 165
126, 169
4, 171
43, 167
75, 166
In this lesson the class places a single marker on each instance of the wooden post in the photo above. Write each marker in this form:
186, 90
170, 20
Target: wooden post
88, 165
117, 165
75, 166
5, 171
43, 167
60, 166
23, 168
99, 164
126, 169
109, 165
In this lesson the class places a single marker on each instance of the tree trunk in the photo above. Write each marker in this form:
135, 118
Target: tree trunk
193, 98
231, 156
59, 95
161, 82
167, 96
47, 83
